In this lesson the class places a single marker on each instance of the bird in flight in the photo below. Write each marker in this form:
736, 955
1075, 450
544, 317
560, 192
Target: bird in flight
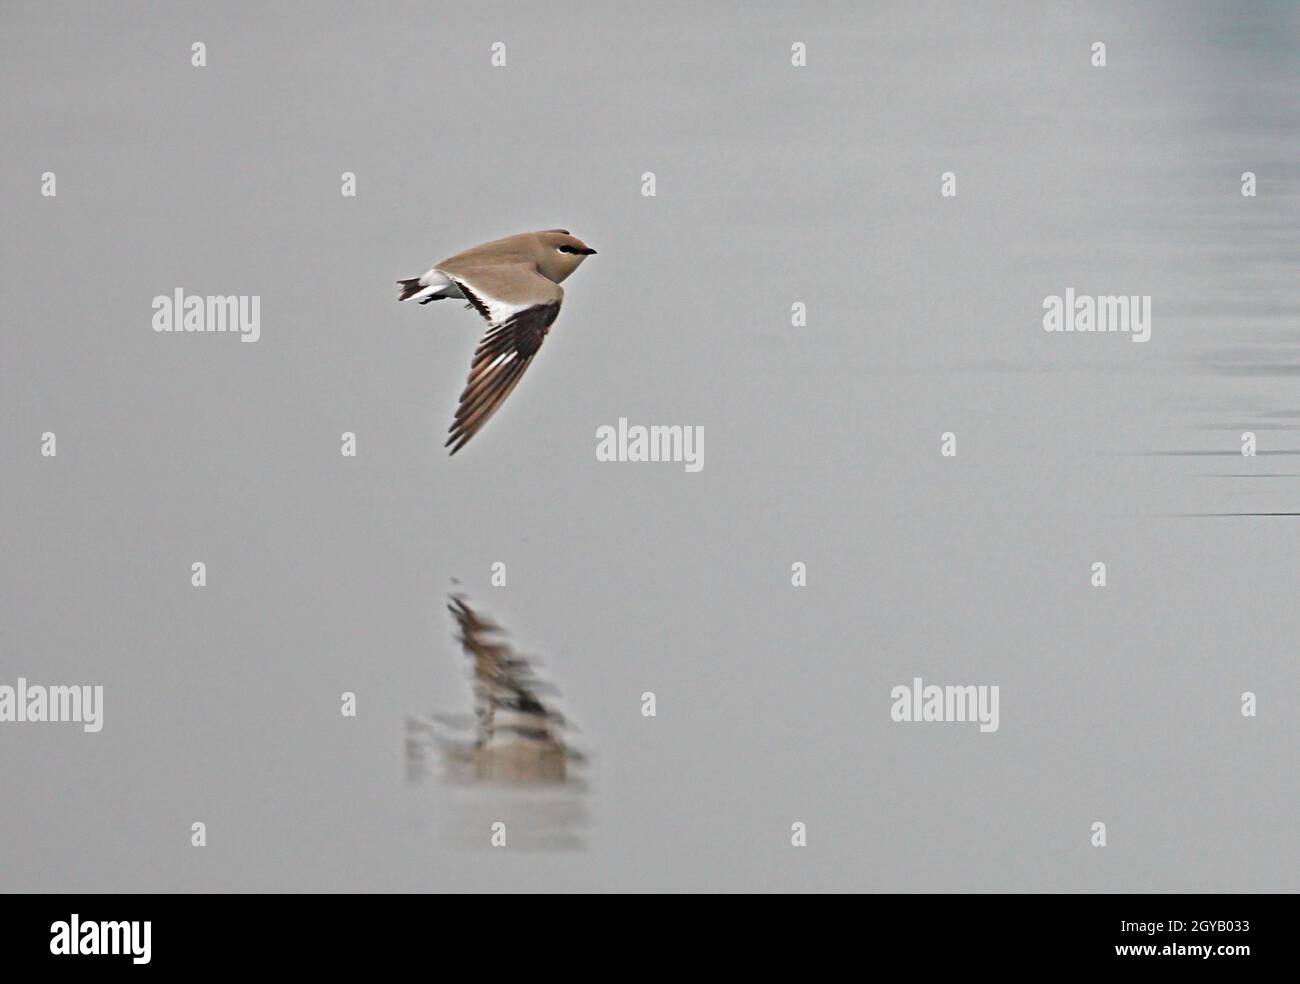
514, 283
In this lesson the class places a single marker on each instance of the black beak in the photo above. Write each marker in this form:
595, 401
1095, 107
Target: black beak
588, 252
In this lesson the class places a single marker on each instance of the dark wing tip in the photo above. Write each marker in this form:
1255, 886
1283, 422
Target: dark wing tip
503, 354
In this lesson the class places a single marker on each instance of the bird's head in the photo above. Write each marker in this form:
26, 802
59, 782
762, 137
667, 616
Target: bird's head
563, 253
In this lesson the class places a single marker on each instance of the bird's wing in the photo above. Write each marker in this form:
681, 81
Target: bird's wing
520, 305
499, 287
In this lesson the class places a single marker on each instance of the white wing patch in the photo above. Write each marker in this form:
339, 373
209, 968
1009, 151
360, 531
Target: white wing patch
499, 311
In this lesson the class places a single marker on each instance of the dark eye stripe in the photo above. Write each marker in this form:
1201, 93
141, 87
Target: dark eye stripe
567, 249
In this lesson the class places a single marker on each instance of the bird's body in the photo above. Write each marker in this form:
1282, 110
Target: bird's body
514, 283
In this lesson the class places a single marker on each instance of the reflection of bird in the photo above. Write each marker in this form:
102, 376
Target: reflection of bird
518, 737
514, 283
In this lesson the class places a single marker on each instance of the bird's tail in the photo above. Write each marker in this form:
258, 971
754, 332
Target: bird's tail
409, 288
